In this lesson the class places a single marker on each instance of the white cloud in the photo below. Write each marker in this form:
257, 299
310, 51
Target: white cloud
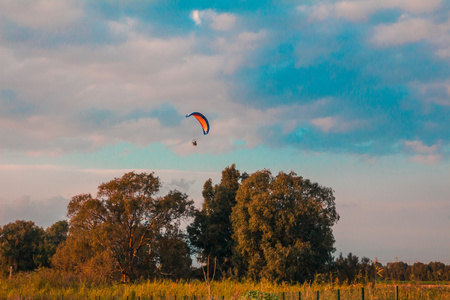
223, 22
242, 42
419, 147
48, 205
42, 14
219, 22
140, 73
405, 31
414, 25
195, 15
236, 49
136, 73
431, 159
337, 124
410, 30
414, 6
321, 12
122, 27
433, 92
325, 124
42, 213
429, 155
357, 11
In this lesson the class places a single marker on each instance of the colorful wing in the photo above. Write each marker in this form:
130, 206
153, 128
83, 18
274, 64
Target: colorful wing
202, 119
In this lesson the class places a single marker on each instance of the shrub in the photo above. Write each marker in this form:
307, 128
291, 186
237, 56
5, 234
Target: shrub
258, 295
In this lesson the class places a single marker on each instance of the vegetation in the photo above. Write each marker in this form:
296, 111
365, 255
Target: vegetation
49, 284
258, 295
282, 227
126, 232
351, 269
211, 230
256, 236
25, 246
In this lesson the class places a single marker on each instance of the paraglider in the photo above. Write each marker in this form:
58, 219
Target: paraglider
203, 123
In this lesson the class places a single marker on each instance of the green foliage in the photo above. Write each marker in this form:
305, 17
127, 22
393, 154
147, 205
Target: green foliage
124, 230
211, 230
258, 295
25, 246
282, 233
174, 257
21, 246
55, 235
351, 269
82, 256
282, 226
433, 271
266, 227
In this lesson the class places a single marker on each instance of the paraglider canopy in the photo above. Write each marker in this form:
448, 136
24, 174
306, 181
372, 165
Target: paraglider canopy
203, 121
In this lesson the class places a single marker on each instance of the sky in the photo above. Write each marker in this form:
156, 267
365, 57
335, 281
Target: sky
354, 95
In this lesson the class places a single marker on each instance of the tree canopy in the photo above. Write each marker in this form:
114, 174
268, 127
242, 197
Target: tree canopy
211, 230
121, 230
26, 246
282, 226
257, 226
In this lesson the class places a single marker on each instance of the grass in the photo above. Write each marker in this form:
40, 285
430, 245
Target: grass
47, 284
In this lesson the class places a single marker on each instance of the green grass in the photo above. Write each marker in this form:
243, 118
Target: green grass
47, 284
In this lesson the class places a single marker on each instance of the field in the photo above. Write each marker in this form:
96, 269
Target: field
49, 285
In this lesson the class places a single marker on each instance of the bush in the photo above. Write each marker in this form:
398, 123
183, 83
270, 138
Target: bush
258, 295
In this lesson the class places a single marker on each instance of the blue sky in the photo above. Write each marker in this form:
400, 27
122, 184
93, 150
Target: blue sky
352, 94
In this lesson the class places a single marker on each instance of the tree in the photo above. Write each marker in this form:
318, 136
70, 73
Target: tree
282, 226
21, 246
397, 271
211, 230
121, 226
54, 236
350, 269
347, 267
419, 271
173, 256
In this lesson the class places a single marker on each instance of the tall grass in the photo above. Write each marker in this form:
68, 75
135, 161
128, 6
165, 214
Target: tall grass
48, 284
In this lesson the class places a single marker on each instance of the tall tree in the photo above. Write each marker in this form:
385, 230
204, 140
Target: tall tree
211, 230
282, 226
122, 224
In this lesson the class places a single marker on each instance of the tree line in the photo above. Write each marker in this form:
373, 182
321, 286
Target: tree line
255, 226
351, 269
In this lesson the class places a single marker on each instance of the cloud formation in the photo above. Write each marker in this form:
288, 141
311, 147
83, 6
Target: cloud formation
220, 22
42, 14
354, 94
119, 80
43, 213
358, 11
